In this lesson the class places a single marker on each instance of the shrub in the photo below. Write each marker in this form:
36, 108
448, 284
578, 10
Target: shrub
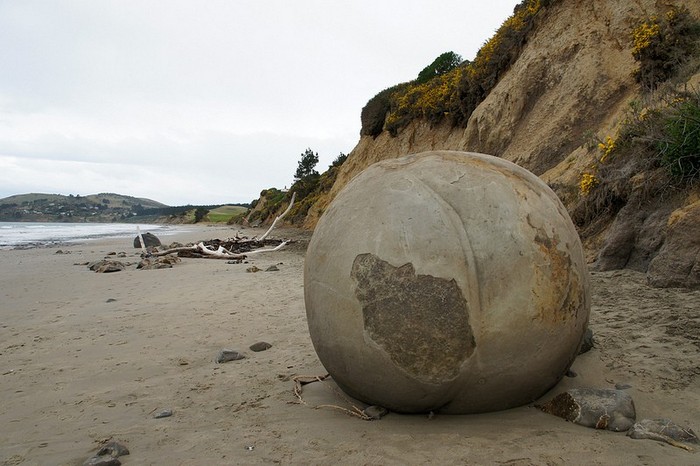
662, 44
339, 160
587, 183
679, 146
375, 111
441, 65
455, 92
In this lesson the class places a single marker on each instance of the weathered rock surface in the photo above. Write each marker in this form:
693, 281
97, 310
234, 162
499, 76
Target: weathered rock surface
106, 266
678, 262
475, 257
161, 262
663, 430
591, 407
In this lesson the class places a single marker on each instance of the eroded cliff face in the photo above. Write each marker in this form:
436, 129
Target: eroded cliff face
572, 83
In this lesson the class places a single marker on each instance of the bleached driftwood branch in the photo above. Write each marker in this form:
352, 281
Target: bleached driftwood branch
277, 248
279, 217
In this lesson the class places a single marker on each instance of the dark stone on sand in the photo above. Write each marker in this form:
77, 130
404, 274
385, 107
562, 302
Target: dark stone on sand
588, 342
106, 266
571, 373
663, 430
272, 268
110, 300
375, 412
252, 269
163, 413
593, 407
260, 346
149, 240
102, 461
161, 262
226, 355
622, 386
114, 449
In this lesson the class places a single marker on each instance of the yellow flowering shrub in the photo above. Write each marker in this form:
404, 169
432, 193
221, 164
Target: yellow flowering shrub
643, 35
456, 93
607, 147
587, 183
661, 44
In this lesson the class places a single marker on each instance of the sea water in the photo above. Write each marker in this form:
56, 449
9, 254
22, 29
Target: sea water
38, 234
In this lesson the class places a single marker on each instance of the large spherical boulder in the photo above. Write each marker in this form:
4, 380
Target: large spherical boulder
446, 281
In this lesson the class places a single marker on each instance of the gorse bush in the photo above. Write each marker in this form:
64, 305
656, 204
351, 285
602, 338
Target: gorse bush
454, 93
665, 132
662, 44
655, 152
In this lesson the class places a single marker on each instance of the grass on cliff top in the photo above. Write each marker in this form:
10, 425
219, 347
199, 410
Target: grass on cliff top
224, 213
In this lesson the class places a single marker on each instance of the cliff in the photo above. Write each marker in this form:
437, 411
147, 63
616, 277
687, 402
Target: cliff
571, 85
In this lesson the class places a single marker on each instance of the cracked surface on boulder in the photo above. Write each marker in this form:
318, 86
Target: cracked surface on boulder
435, 337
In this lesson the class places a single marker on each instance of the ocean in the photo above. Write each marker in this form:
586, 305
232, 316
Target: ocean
36, 234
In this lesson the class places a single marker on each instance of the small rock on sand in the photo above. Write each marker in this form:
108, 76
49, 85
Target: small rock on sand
163, 413
260, 346
663, 430
592, 407
226, 355
375, 412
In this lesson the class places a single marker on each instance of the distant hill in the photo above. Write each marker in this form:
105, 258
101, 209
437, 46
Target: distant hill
103, 207
109, 207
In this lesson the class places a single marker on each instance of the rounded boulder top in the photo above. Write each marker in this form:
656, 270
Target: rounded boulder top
446, 281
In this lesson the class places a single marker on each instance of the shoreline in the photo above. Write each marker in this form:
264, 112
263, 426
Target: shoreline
85, 236
88, 356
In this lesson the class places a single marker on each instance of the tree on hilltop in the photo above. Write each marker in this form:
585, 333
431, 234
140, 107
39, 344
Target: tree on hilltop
441, 65
307, 165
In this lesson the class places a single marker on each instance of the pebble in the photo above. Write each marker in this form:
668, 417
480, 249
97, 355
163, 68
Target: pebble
272, 268
260, 346
375, 412
226, 355
102, 461
252, 269
114, 449
163, 413
108, 454
622, 386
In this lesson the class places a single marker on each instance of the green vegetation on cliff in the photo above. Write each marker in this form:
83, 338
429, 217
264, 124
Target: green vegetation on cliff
655, 152
448, 90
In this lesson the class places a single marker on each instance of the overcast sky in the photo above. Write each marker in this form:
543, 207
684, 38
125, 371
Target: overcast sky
204, 102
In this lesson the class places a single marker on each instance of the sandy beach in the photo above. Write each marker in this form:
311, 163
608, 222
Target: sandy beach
86, 356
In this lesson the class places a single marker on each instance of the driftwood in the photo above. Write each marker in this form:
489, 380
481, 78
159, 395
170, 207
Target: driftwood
215, 250
236, 248
279, 217
301, 380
